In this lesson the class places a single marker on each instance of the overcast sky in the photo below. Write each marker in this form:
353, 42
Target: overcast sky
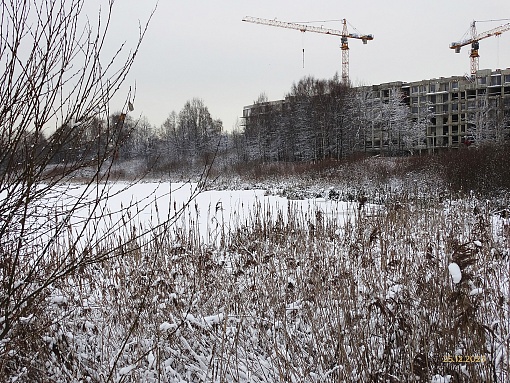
201, 48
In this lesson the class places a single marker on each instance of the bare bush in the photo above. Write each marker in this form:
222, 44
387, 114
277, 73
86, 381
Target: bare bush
54, 80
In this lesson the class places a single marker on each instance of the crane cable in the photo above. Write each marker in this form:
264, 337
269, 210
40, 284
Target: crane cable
487, 21
303, 45
497, 36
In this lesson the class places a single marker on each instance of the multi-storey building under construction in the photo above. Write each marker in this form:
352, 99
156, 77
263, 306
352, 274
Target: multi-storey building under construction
456, 108
456, 111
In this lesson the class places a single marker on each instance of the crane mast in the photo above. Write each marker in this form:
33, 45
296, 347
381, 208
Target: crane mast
344, 36
475, 45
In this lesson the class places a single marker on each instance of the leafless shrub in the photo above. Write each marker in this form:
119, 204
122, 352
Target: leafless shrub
53, 77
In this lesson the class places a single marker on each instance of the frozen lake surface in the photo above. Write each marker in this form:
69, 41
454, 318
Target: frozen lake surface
120, 208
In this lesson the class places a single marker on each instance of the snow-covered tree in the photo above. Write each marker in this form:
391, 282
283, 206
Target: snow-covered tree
197, 133
488, 124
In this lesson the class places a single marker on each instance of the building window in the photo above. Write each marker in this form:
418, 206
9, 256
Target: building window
482, 80
496, 90
496, 80
507, 78
455, 85
432, 87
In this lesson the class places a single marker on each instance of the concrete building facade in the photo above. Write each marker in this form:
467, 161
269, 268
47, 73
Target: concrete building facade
457, 110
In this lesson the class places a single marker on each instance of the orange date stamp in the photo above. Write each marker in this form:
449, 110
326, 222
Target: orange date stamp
464, 359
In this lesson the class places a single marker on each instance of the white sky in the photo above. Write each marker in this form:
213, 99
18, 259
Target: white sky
199, 48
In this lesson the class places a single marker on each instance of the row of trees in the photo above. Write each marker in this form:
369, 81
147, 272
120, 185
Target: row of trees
317, 120
312, 123
191, 136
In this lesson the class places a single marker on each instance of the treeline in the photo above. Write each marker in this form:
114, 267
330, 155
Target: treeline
316, 120
188, 138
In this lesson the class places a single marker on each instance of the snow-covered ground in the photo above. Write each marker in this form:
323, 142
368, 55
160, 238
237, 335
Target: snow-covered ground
244, 286
211, 214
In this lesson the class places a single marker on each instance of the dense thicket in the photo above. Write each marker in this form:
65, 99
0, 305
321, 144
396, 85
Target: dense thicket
54, 76
311, 124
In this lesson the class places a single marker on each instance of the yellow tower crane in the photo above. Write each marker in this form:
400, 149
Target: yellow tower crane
344, 36
475, 38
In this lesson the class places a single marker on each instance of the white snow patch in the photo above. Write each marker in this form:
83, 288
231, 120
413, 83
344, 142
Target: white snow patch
441, 379
48, 339
167, 326
26, 319
476, 291
151, 359
294, 306
464, 370
18, 284
126, 370
455, 272
393, 291
477, 243
89, 325
214, 319
58, 299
